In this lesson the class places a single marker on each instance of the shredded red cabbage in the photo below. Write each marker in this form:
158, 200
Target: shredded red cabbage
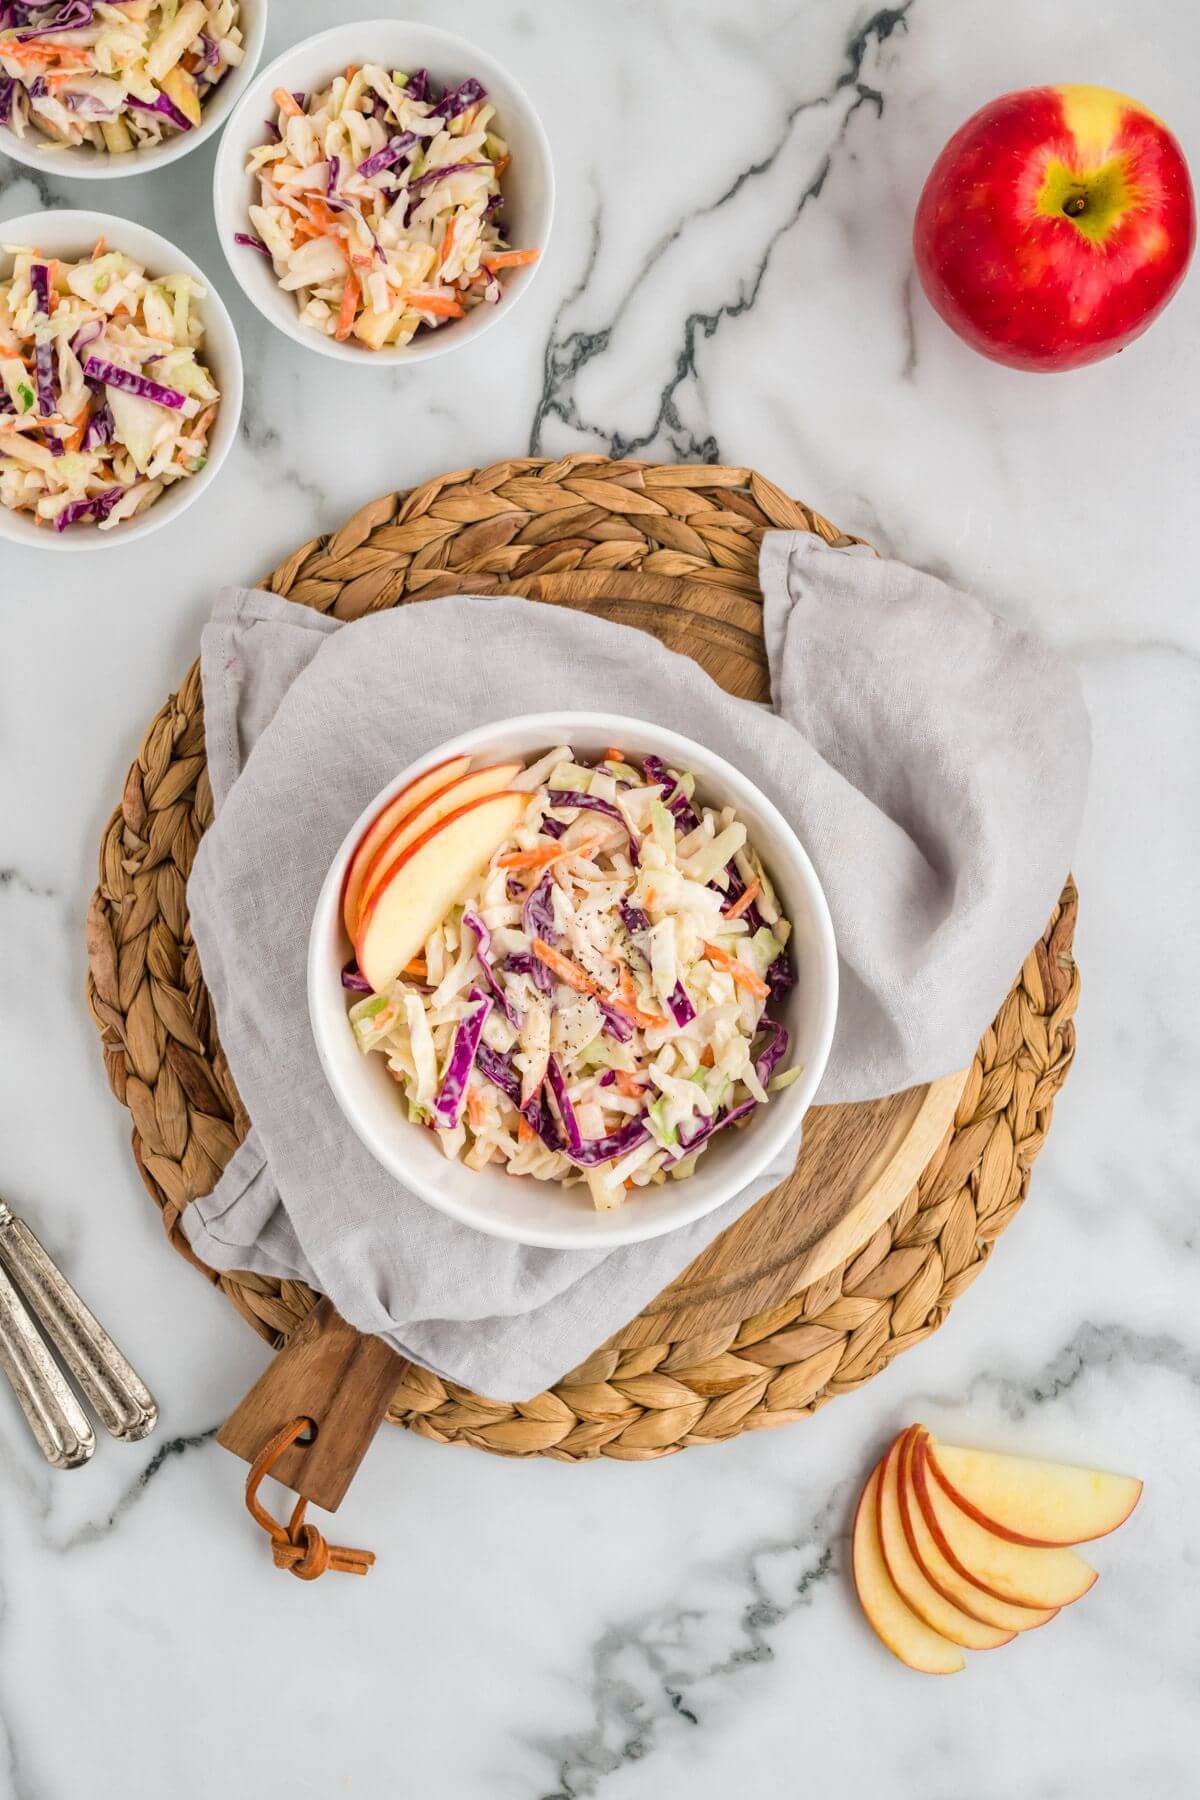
781, 976
456, 100
390, 153
607, 1079
537, 914
553, 828
101, 428
97, 508
681, 1008
523, 963
8, 88
565, 797
675, 800
355, 982
132, 383
566, 1111
451, 1096
483, 955
615, 1023
733, 893
632, 917
87, 334
43, 354
431, 175
162, 105
705, 1129
773, 1050
74, 15
499, 1070
252, 243
331, 174
606, 1149
418, 85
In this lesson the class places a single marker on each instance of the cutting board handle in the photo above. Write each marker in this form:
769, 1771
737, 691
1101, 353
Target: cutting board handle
332, 1375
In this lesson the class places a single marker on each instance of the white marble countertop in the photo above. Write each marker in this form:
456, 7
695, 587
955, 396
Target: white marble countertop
729, 277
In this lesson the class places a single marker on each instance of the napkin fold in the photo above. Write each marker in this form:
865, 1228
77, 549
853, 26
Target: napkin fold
931, 757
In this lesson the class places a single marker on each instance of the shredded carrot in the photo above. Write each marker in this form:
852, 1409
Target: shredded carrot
345, 318
476, 1110
351, 71
525, 1131
565, 969
99, 246
75, 441
613, 755
416, 967
447, 244
545, 854
287, 103
628, 1005
502, 165
305, 229
15, 51
744, 977
512, 259
706, 1056
439, 304
627, 1084
745, 900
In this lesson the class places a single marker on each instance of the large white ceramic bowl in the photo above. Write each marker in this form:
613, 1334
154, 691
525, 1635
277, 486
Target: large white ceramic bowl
80, 162
71, 235
543, 1213
397, 44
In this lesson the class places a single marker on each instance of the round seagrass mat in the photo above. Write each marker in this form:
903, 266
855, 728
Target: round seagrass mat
894, 1208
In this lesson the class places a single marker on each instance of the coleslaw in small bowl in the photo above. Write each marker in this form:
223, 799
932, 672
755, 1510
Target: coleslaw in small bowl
120, 380
384, 192
97, 89
590, 1007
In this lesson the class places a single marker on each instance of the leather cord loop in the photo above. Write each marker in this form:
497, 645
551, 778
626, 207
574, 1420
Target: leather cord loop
299, 1547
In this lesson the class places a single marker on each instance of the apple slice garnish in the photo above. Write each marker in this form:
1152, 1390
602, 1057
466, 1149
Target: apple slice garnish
428, 878
908, 1577
1031, 1502
1030, 1577
381, 827
940, 1572
451, 798
893, 1623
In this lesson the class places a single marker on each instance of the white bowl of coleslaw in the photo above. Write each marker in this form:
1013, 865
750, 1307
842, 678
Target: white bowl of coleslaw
125, 83
70, 237
413, 255
566, 1212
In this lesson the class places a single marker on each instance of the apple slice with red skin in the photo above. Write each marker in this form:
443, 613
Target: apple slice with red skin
385, 822
1031, 1502
908, 1577
1008, 1571
941, 1573
456, 794
427, 880
893, 1623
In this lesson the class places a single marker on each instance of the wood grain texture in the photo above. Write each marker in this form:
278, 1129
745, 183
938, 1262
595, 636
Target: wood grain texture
334, 1376
896, 1205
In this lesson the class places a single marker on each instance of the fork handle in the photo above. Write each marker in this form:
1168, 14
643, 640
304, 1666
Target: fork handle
119, 1398
55, 1416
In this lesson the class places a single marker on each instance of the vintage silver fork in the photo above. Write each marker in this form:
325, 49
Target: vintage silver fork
118, 1397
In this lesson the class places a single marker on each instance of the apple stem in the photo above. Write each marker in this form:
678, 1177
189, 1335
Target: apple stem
1074, 204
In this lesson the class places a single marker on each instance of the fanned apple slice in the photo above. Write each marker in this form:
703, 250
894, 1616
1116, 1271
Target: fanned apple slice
1031, 1502
430, 876
941, 1573
909, 1579
893, 1623
398, 807
1008, 1571
457, 793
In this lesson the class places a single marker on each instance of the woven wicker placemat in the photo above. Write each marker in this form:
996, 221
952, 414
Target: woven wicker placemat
626, 540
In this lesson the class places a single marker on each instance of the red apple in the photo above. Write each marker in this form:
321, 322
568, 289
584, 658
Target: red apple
1055, 226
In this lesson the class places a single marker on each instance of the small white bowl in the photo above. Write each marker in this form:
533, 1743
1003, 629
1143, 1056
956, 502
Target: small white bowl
70, 235
541, 1212
397, 44
80, 162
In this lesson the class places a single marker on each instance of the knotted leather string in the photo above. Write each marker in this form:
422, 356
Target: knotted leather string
300, 1548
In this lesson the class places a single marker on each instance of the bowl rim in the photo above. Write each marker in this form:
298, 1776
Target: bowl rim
578, 1232
228, 214
77, 162
14, 529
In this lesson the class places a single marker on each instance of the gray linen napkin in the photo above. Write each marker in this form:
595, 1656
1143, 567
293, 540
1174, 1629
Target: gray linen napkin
931, 757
